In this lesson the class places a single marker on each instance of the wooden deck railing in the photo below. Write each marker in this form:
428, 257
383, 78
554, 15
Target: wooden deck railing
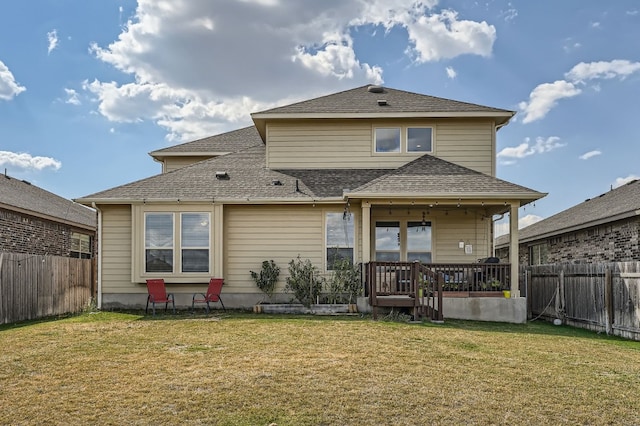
400, 278
405, 284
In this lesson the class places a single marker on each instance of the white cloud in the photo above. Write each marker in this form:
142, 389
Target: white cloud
545, 96
8, 86
443, 36
52, 37
259, 53
590, 154
624, 180
632, 12
528, 148
451, 73
503, 227
595, 25
72, 97
602, 70
26, 161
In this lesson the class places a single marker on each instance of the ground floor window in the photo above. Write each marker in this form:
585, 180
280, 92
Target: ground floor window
340, 237
167, 234
80, 246
403, 241
538, 254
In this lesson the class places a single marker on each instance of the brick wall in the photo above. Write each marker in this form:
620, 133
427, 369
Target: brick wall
21, 233
614, 242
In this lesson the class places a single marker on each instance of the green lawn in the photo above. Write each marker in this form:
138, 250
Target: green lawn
245, 369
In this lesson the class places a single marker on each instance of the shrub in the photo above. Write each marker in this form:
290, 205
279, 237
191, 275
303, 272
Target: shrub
346, 280
304, 281
267, 278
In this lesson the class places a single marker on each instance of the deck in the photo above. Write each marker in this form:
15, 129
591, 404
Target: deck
421, 287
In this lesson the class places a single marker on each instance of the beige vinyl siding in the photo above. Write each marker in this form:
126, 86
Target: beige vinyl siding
448, 229
456, 227
116, 250
469, 144
175, 163
349, 143
257, 233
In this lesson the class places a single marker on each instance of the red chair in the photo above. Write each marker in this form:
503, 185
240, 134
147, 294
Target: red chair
158, 294
212, 295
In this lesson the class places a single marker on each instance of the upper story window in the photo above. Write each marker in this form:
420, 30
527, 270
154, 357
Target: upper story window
403, 139
387, 139
192, 243
419, 139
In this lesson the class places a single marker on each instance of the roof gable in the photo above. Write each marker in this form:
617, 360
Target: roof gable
232, 141
379, 102
19, 195
432, 176
365, 100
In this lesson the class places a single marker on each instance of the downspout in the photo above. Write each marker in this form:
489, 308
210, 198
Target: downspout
493, 233
99, 232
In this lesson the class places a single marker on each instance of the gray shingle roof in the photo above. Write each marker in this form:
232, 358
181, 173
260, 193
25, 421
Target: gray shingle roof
249, 179
18, 194
616, 204
431, 175
232, 141
360, 100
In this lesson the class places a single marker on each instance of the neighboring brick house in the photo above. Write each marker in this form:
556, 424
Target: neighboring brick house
35, 221
601, 229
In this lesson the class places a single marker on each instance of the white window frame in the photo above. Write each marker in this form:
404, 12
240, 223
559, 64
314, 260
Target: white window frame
350, 244
140, 247
403, 148
182, 248
406, 140
375, 139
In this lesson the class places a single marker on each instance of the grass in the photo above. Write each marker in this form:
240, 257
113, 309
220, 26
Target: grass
245, 369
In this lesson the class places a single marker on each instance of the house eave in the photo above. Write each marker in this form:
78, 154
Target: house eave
49, 217
259, 119
214, 200
575, 228
524, 198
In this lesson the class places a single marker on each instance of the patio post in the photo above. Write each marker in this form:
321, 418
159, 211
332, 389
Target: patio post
514, 248
366, 232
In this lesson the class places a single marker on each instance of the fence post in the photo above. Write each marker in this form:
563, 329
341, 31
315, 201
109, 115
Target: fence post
608, 298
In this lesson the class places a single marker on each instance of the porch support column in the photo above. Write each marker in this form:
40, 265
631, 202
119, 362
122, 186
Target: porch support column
218, 240
366, 232
514, 249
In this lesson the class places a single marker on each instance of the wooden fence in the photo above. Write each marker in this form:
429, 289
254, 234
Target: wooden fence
603, 297
33, 286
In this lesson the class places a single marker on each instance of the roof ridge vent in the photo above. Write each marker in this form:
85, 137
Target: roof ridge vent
375, 88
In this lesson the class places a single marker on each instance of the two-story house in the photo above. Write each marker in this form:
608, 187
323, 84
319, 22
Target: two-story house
372, 174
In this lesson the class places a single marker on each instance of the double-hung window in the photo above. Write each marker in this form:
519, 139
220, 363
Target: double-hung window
340, 235
183, 246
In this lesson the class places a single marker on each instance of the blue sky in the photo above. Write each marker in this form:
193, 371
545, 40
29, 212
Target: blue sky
88, 88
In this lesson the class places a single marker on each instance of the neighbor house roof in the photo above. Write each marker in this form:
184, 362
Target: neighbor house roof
619, 203
221, 144
21, 196
247, 179
376, 102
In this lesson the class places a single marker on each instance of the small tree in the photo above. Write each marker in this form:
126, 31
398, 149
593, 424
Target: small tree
304, 281
267, 278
